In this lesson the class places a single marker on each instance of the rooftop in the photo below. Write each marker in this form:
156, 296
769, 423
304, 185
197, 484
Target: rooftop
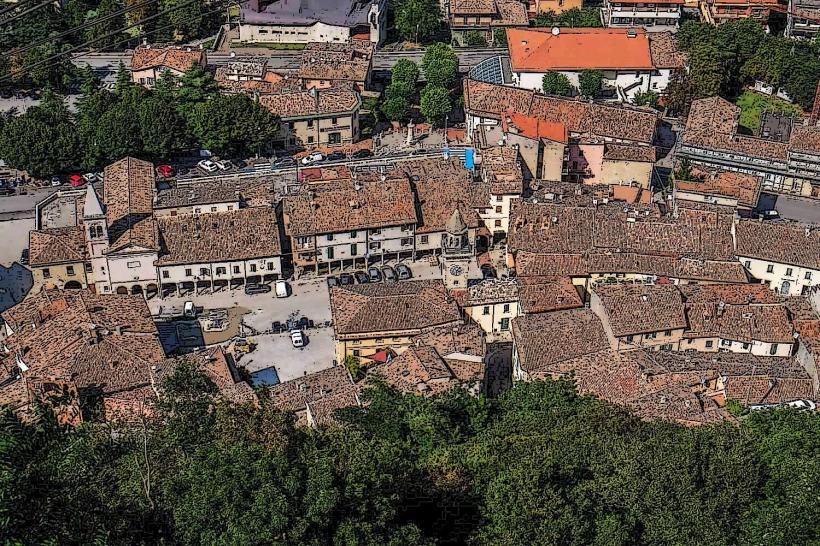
128, 196
333, 383
501, 168
743, 187
636, 309
57, 245
787, 243
745, 323
306, 104
348, 13
176, 58
348, 61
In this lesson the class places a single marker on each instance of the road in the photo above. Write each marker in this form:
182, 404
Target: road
106, 64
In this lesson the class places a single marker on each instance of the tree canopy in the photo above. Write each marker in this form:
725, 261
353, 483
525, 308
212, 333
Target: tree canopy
539, 465
440, 65
590, 83
555, 83
574, 17
417, 20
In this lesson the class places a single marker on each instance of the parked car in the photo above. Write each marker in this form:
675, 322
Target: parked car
375, 274
297, 338
282, 290
332, 281
224, 164
345, 279
361, 277
24, 257
361, 154
55, 181
208, 166
336, 156
304, 323
315, 157
5, 190
76, 180
769, 214
165, 171
90, 178
253, 288
802, 405
403, 272
487, 271
276, 327
389, 274
283, 162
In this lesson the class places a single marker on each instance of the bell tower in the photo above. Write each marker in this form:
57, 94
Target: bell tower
456, 252
96, 227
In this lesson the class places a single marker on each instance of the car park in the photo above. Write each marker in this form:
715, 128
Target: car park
361, 277
251, 289
313, 158
297, 338
403, 272
336, 156
345, 279
375, 274
208, 166
332, 281
361, 154
389, 274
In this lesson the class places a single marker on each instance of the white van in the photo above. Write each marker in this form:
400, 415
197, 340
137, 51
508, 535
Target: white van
281, 289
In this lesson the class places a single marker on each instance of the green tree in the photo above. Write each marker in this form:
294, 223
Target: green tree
590, 83
435, 104
162, 129
473, 38
555, 83
440, 65
405, 72
500, 37
418, 19
575, 17
123, 83
648, 98
232, 125
396, 108
99, 33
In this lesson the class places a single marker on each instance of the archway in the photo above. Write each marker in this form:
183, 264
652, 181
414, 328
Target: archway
151, 290
73, 285
136, 289
122, 290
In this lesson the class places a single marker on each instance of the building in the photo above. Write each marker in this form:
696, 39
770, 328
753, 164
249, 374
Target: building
649, 317
58, 258
501, 172
333, 64
148, 63
350, 223
308, 21
784, 257
716, 12
482, 17
661, 14
803, 19
595, 163
88, 355
554, 6
368, 318
328, 117
737, 190
315, 397
787, 161
623, 56
246, 70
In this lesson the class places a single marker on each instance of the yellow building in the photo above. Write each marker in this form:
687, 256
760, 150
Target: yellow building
58, 258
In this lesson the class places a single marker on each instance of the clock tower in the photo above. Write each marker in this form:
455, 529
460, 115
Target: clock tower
456, 252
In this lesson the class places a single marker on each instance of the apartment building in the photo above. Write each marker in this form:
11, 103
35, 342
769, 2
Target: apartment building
803, 19
739, 191
661, 14
483, 17
717, 12
333, 64
148, 63
501, 172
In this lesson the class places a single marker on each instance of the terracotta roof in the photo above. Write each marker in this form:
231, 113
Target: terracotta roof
308, 104
215, 364
409, 305
620, 152
622, 123
539, 50
57, 245
335, 207
501, 169
175, 58
241, 234
745, 323
348, 61
544, 340
805, 139
743, 187
503, 12
662, 48
128, 195
418, 370
534, 128
795, 244
453, 340
734, 294
637, 309
491, 291
256, 192
333, 384
545, 294
472, 7
321, 412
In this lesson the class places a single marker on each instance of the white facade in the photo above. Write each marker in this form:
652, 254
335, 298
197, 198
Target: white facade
497, 217
332, 247
495, 318
786, 279
630, 82
754, 347
220, 271
198, 209
391, 240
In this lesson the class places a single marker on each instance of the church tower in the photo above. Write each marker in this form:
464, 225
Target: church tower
456, 252
96, 227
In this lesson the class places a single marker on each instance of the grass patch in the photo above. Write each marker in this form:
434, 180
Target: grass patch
268, 45
753, 104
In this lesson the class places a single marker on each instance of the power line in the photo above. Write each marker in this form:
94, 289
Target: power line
13, 7
24, 13
118, 31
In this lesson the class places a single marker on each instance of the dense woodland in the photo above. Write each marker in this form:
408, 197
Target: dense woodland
541, 465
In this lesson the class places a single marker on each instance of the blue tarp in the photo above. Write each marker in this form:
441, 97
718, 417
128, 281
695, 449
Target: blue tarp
469, 160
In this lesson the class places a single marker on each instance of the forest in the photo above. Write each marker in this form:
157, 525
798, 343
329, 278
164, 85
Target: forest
540, 465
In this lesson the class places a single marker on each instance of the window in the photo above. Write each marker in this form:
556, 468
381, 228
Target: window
770, 268
773, 349
424, 239
352, 234
789, 271
379, 340
666, 347
213, 209
406, 241
498, 210
667, 332
188, 272
230, 207
376, 231
310, 140
165, 274
652, 335
726, 342
745, 346
329, 236
486, 310
375, 245
221, 270
270, 266
88, 268
356, 352
506, 307
253, 268
747, 264
334, 121
629, 339
354, 249
204, 272
310, 123
505, 324
236, 269
330, 252
498, 223
807, 276
406, 227
710, 344
69, 270
133, 265
46, 273
197, 210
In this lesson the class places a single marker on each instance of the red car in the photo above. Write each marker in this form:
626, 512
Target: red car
165, 171
76, 180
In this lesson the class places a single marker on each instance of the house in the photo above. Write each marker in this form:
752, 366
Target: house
148, 63
206, 197
333, 64
802, 19
657, 15
438, 360
58, 258
623, 56
315, 397
368, 318
88, 355
739, 319
635, 316
483, 17
305, 21
245, 70
716, 12
733, 189
218, 250
501, 171
784, 257
787, 161
350, 223
328, 117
